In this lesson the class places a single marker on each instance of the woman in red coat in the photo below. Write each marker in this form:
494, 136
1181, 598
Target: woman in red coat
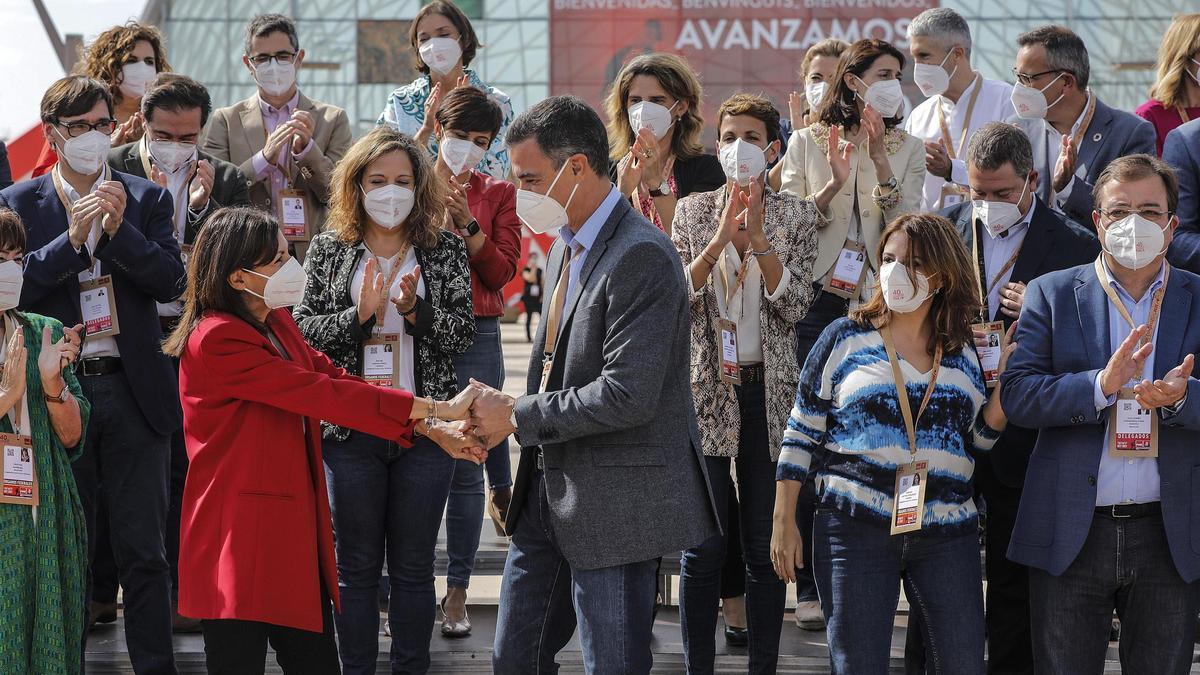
256, 559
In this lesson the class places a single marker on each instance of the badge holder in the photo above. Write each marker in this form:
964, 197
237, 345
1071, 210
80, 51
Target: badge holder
293, 214
731, 372
989, 356
381, 360
1134, 428
846, 278
185, 252
909, 499
98, 305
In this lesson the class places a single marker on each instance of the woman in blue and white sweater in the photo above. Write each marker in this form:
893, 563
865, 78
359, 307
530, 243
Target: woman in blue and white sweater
848, 432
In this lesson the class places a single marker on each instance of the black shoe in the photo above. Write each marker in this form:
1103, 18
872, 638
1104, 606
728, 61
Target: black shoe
737, 637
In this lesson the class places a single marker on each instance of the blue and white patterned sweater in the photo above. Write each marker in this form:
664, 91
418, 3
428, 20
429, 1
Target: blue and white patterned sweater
405, 112
847, 432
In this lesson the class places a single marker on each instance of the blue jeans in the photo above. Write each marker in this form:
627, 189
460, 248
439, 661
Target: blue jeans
825, 309
484, 361
1124, 564
859, 568
700, 573
386, 498
542, 599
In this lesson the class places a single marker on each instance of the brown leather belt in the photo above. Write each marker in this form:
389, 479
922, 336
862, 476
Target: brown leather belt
752, 374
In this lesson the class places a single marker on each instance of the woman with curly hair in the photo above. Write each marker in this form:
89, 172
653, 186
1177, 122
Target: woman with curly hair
127, 58
388, 298
1175, 96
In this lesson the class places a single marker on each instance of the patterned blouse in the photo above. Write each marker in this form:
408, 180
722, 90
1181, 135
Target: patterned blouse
405, 112
847, 432
445, 325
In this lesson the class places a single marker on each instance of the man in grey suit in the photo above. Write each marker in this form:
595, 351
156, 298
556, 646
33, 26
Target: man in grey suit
1074, 134
611, 475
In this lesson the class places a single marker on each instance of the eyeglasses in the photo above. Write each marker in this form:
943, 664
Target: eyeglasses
1121, 214
79, 127
277, 57
1028, 80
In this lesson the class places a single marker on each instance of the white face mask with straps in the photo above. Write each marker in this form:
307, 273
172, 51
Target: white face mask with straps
898, 290
285, 288
12, 278
541, 212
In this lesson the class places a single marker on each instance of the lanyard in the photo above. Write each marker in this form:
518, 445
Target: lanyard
951, 149
1183, 114
56, 176
910, 424
1155, 307
381, 309
179, 199
980, 269
739, 276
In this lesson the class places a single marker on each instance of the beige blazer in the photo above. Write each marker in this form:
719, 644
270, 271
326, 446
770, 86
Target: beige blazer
806, 171
237, 133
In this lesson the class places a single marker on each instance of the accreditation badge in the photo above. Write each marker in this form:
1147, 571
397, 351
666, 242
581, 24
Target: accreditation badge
98, 307
1134, 429
847, 275
293, 214
909, 503
20, 473
731, 372
989, 356
381, 360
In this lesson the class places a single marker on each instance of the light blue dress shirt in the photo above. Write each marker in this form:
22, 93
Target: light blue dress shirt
1127, 480
581, 242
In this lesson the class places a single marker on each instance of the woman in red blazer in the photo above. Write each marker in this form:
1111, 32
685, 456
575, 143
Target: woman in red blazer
256, 559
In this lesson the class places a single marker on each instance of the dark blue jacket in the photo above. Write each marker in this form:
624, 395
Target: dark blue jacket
143, 259
1049, 386
1182, 151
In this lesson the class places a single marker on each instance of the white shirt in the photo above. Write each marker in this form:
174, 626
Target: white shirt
994, 104
92, 346
1054, 149
997, 251
743, 308
393, 323
177, 183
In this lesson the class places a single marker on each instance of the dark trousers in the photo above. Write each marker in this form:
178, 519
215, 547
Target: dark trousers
543, 599
1124, 564
235, 647
125, 464
825, 309
700, 573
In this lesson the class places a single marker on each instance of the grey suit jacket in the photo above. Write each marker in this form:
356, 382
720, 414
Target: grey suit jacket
1112, 133
624, 471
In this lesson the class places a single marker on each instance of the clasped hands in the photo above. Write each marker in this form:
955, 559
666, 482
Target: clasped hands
475, 420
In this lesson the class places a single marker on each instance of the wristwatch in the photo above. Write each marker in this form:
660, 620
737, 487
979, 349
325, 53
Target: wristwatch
662, 190
61, 397
891, 183
470, 230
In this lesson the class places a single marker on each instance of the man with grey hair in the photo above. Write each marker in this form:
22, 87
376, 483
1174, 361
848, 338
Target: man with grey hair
611, 475
1014, 238
960, 101
1074, 134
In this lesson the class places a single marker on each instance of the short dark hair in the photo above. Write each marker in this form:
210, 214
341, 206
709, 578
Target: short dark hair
174, 92
1065, 51
563, 126
74, 95
12, 231
467, 39
265, 24
998, 143
754, 106
840, 106
469, 109
1136, 167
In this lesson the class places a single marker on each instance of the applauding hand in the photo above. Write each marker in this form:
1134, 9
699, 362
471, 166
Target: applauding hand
1168, 391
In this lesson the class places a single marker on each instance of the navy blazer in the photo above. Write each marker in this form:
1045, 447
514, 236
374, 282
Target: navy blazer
1182, 151
1049, 385
1112, 133
1053, 242
143, 259
5, 170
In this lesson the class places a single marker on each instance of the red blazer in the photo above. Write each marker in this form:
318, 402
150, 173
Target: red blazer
493, 204
256, 538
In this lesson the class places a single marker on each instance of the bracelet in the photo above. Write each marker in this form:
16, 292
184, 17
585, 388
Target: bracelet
431, 416
759, 254
410, 309
713, 262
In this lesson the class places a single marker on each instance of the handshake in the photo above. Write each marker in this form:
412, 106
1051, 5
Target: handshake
475, 420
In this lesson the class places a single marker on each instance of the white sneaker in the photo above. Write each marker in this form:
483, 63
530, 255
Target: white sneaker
809, 616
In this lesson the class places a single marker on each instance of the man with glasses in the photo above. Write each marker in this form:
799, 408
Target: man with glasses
175, 109
1074, 134
1108, 514
100, 253
285, 143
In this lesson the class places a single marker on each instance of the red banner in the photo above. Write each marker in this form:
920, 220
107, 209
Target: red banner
752, 46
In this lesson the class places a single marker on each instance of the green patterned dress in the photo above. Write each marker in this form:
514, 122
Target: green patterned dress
43, 564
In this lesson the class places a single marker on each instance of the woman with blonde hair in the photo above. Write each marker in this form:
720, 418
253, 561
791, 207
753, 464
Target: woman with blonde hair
817, 69
654, 128
889, 414
1175, 96
388, 298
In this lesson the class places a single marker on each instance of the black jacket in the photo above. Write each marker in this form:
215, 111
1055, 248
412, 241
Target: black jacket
701, 173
